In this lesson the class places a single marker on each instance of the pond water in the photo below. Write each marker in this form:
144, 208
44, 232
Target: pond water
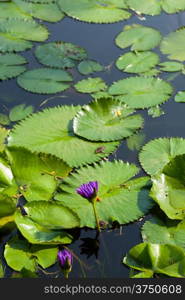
98, 40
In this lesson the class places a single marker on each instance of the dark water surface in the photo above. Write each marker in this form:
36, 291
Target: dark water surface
98, 40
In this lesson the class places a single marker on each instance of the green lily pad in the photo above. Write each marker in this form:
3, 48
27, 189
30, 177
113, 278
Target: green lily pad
171, 66
104, 11
155, 111
4, 119
103, 94
60, 54
90, 85
141, 92
136, 141
138, 62
158, 259
1, 270
173, 45
120, 198
171, 6
10, 10
37, 234
51, 215
41, 10
6, 175
29, 257
20, 112
45, 81
87, 67
11, 65
8, 206
40, 182
106, 120
157, 153
3, 135
60, 140
138, 37
168, 188
151, 7
157, 231
180, 96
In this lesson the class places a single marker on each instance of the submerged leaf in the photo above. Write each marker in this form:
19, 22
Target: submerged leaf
90, 85
87, 67
11, 65
119, 198
157, 153
136, 141
45, 80
158, 259
20, 112
138, 62
59, 138
155, 112
106, 120
103, 11
138, 37
60, 54
141, 92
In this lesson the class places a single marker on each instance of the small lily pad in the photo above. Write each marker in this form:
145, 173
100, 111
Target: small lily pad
60, 54
138, 37
171, 66
138, 62
20, 112
155, 111
106, 120
11, 65
4, 119
87, 67
90, 85
180, 96
45, 81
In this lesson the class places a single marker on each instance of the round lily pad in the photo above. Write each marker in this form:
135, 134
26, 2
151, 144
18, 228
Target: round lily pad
89, 66
120, 198
106, 120
59, 139
171, 66
152, 7
90, 85
141, 92
173, 45
60, 54
138, 37
45, 80
102, 11
138, 62
11, 65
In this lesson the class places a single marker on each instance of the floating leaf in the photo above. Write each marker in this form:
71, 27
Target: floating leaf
87, 67
41, 10
120, 199
28, 256
138, 37
135, 141
180, 96
152, 7
168, 188
60, 54
99, 95
3, 135
51, 215
106, 120
9, 44
37, 234
1, 270
11, 65
59, 139
157, 153
138, 62
40, 182
141, 92
20, 112
158, 259
171, 6
6, 175
157, 231
8, 205
90, 85
45, 80
10, 10
104, 11
4, 119
171, 66
173, 45
155, 112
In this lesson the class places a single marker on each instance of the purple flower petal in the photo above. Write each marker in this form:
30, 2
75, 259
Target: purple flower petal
88, 190
65, 258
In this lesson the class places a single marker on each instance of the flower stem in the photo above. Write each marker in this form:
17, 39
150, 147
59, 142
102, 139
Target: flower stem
96, 215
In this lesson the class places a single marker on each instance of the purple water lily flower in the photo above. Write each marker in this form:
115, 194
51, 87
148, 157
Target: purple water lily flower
88, 190
65, 258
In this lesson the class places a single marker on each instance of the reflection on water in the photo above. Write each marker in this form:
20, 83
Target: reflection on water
102, 257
